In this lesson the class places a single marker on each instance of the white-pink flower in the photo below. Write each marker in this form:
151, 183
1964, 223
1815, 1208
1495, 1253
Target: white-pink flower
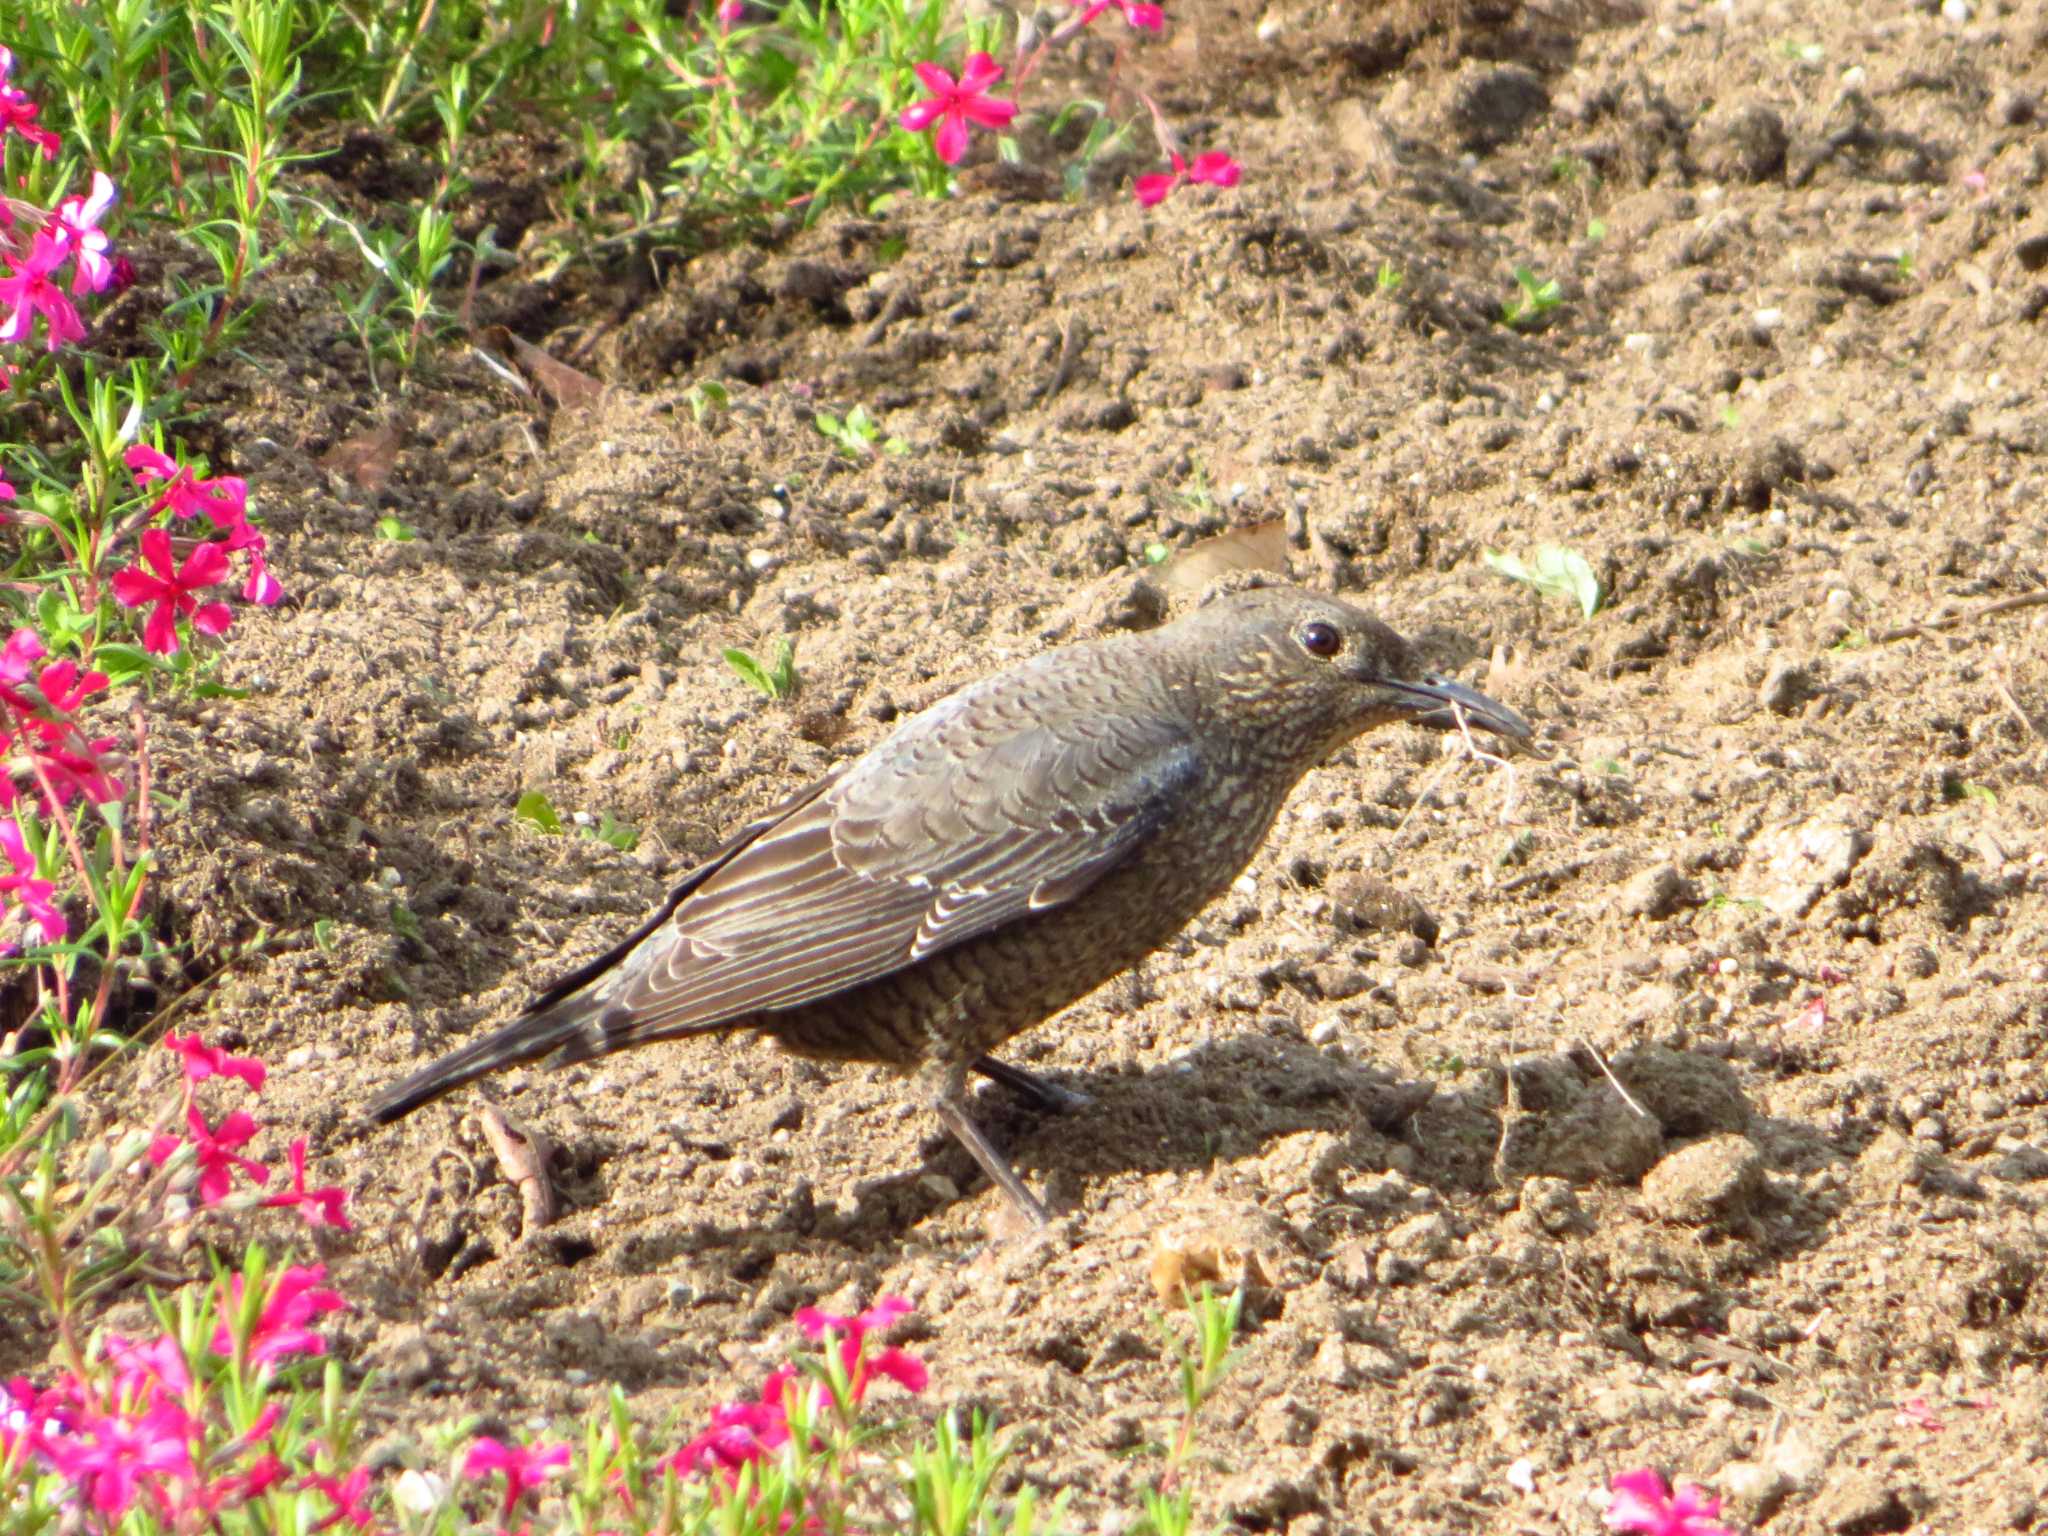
77, 223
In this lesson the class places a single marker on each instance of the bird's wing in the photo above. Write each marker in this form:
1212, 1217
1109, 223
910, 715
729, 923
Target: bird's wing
997, 803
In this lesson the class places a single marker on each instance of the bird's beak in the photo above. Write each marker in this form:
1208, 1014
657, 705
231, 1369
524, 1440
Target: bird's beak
1442, 702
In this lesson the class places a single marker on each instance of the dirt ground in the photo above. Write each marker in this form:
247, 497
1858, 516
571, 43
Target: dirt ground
1783, 872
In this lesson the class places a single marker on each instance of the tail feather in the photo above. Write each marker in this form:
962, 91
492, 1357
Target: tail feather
580, 1027
581, 1016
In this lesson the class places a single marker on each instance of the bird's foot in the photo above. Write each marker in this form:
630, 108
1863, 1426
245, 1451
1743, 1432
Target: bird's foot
949, 1101
1048, 1095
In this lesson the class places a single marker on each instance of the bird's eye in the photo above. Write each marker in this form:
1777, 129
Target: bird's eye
1320, 639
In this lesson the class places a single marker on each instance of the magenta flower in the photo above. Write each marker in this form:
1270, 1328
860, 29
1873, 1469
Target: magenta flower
74, 764
1149, 18
224, 499
77, 223
65, 685
170, 588
953, 106
203, 1061
524, 1466
18, 113
740, 1432
1212, 166
219, 1158
27, 291
23, 650
112, 1458
6, 491
261, 588
1642, 1503
295, 1300
347, 1496
23, 1417
146, 1371
863, 1364
18, 883
320, 1207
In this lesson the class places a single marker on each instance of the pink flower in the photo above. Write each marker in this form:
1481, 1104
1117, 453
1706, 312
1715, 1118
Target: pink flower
73, 762
77, 223
145, 1371
261, 588
203, 1061
295, 1300
320, 1207
881, 1315
740, 1432
64, 685
6, 491
862, 1364
27, 292
1212, 166
18, 113
111, 1458
1150, 18
225, 499
19, 884
23, 649
524, 1466
346, 1495
218, 1158
264, 1472
953, 106
729, 13
171, 587
1641, 1502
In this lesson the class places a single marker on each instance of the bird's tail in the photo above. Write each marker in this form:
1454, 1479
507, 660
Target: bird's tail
577, 1027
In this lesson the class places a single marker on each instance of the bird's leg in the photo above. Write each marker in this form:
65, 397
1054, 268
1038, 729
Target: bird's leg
1042, 1091
948, 1090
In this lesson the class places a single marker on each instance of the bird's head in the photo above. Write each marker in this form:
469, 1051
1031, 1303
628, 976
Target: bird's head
1306, 673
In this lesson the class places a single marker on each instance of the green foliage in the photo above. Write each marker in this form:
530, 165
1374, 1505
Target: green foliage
777, 679
706, 397
858, 434
538, 812
1534, 298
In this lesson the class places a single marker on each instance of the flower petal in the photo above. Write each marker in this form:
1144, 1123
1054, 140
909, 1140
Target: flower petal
989, 112
904, 1369
206, 566
134, 587
934, 79
213, 618
160, 632
919, 115
147, 463
982, 71
1151, 189
951, 139
156, 552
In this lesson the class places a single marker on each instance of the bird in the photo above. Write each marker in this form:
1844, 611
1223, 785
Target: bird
994, 858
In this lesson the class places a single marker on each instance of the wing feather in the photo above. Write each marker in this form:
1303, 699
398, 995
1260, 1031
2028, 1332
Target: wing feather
994, 804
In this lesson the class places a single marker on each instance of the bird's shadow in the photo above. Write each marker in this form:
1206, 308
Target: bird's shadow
1217, 1106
